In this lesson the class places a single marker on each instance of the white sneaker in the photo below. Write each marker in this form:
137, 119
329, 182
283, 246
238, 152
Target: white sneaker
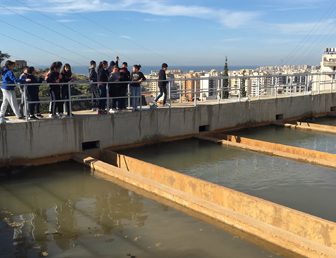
167, 105
52, 116
112, 111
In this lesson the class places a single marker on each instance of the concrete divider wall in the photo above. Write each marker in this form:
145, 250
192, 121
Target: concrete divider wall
299, 232
20, 141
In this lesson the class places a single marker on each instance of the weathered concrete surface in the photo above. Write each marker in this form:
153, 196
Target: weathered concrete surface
37, 139
281, 150
312, 127
299, 232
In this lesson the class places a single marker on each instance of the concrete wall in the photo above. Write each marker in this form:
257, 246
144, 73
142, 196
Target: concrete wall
22, 141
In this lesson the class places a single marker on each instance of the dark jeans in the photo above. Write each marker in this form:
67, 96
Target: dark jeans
102, 94
114, 92
123, 94
163, 90
65, 96
95, 94
55, 94
32, 95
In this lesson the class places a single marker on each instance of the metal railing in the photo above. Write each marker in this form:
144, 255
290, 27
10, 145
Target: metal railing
192, 91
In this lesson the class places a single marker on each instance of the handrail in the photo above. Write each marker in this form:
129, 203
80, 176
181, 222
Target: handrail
195, 90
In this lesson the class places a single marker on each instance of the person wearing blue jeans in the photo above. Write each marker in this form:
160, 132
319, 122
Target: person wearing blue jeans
136, 77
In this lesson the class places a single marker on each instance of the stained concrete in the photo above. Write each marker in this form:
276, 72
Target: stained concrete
304, 234
32, 140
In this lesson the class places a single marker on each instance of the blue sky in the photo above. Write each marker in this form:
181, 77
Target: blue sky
259, 32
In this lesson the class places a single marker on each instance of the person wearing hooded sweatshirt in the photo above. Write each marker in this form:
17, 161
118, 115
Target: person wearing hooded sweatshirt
8, 91
66, 78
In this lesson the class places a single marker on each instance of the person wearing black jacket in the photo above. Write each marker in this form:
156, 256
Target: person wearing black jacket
125, 76
162, 84
66, 78
102, 85
93, 78
33, 93
54, 78
114, 88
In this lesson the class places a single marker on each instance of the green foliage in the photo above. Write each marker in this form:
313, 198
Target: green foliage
3, 56
225, 93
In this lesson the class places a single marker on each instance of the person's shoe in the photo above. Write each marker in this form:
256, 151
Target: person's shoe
21, 117
112, 111
52, 116
39, 115
60, 115
32, 118
2, 120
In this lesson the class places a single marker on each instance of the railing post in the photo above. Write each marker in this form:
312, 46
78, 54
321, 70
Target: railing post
69, 100
129, 96
140, 102
107, 97
25, 101
170, 83
180, 91
195, 96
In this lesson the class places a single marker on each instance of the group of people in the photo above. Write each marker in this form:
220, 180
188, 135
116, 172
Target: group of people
107, 82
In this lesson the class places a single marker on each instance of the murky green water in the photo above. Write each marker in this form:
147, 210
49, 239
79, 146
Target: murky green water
300, 138
323, 120
297, 185
62, 211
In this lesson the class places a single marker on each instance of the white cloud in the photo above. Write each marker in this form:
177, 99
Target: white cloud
227, 18
65, 20
125, 37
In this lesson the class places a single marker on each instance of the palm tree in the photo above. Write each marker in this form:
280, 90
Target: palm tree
3, 56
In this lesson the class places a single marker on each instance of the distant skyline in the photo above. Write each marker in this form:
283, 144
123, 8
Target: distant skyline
198, 32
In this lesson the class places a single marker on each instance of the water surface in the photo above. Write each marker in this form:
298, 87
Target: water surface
306, 139
63, 211
301, 186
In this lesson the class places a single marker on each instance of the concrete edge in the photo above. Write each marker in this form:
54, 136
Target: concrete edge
265, 231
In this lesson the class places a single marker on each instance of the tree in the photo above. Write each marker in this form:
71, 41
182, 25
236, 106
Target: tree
225, 94
3, 56
242, 86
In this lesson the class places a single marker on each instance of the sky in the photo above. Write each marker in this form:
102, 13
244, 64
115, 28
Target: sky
198, 32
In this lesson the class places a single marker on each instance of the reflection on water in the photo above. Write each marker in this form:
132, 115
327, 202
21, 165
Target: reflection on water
62, 211
298, 185
300, 138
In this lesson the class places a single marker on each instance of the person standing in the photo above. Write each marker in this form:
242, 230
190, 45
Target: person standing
162, 84
114, 88
102, 86
136, 77
93, 78
66, 78
32, 92
125, 77
54, 78
8, 91
23, 78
